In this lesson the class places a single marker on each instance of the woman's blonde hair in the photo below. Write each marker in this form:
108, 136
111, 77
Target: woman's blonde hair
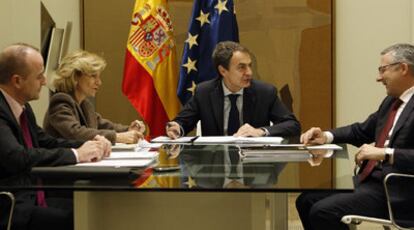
73, 66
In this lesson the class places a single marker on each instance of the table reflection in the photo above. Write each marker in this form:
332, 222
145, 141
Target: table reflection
190, 167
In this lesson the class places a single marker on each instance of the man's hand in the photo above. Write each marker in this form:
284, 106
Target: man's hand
314, 136
105, 143
247, 130
129, 137
137, 125
369, 152
173, 130
90, 151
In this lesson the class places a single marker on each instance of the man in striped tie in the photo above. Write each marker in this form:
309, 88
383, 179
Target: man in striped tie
385, 141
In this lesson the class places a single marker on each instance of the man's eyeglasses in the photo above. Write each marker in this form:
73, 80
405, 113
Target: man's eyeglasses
383, 68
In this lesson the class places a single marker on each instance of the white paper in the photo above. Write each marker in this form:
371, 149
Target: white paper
325, 146
116, 163
132, 155
122, 146
285, 157
165, 139
144, 144
310, 147
237, 140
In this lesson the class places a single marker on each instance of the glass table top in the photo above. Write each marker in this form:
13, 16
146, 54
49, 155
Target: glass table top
202, 168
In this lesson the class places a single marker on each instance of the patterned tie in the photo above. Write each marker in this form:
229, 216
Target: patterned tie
40, 195
370, 165
234, 119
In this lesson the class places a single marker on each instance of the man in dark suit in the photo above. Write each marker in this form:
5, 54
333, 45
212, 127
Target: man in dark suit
391, 127
212, 103
24, 144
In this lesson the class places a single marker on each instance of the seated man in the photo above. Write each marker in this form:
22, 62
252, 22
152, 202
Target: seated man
24, 144
391, 127
234, 103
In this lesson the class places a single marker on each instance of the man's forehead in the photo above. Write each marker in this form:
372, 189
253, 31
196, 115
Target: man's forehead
241, 58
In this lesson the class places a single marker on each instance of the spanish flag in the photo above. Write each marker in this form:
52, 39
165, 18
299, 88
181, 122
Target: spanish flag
150, 71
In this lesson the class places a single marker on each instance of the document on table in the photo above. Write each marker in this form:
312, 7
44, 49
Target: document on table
279, 157
142, 145
286, 152
125, 159
309, 147
118, 163
123, 147
132, 155
165, 139
238, 140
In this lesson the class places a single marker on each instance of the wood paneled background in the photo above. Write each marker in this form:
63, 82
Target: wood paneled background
291, 39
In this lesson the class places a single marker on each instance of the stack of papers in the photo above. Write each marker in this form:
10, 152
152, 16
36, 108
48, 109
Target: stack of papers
125, 159
285, 152
238, 140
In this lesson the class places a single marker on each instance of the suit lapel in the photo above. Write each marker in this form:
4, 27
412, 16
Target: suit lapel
249, 99
8, 115
217, 103
403, 118
83, 118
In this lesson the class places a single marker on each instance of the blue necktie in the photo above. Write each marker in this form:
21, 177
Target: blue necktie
234, 119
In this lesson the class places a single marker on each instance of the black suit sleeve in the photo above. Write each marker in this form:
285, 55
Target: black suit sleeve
357, 134
190, 114
15, 158
284, 122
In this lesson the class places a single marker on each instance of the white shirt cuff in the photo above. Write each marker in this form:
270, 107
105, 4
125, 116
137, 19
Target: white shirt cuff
329, 137
76, 155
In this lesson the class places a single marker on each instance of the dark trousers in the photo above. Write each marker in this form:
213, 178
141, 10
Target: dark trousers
324, 210
58, 215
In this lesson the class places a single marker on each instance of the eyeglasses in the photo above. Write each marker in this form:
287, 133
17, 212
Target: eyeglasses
384, 68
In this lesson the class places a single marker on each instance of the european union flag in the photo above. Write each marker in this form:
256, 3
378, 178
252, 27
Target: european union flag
212, 21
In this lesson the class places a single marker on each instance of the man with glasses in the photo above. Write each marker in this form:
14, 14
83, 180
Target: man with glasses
391, 128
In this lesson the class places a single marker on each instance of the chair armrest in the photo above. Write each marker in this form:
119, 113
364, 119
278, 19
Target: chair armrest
12, 203
356, 219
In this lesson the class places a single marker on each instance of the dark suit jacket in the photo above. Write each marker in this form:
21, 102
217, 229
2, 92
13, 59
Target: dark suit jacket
16, 158
402, 138
260, 106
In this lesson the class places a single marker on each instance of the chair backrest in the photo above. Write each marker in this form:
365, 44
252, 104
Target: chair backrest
10, 197
399, 189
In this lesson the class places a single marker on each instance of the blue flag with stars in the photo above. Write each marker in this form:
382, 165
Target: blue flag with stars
212, 21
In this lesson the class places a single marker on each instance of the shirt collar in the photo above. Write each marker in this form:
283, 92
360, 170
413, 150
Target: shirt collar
227, 92
15, 106
406, 96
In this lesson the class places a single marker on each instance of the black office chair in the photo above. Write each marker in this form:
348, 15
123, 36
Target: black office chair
10, 197
399, 190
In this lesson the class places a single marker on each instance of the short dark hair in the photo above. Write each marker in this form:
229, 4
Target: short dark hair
224, 52
13, 61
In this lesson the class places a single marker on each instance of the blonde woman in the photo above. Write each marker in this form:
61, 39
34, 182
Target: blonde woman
72, 115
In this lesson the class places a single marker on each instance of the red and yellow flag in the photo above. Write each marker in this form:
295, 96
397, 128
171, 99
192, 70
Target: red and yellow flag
150, 71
